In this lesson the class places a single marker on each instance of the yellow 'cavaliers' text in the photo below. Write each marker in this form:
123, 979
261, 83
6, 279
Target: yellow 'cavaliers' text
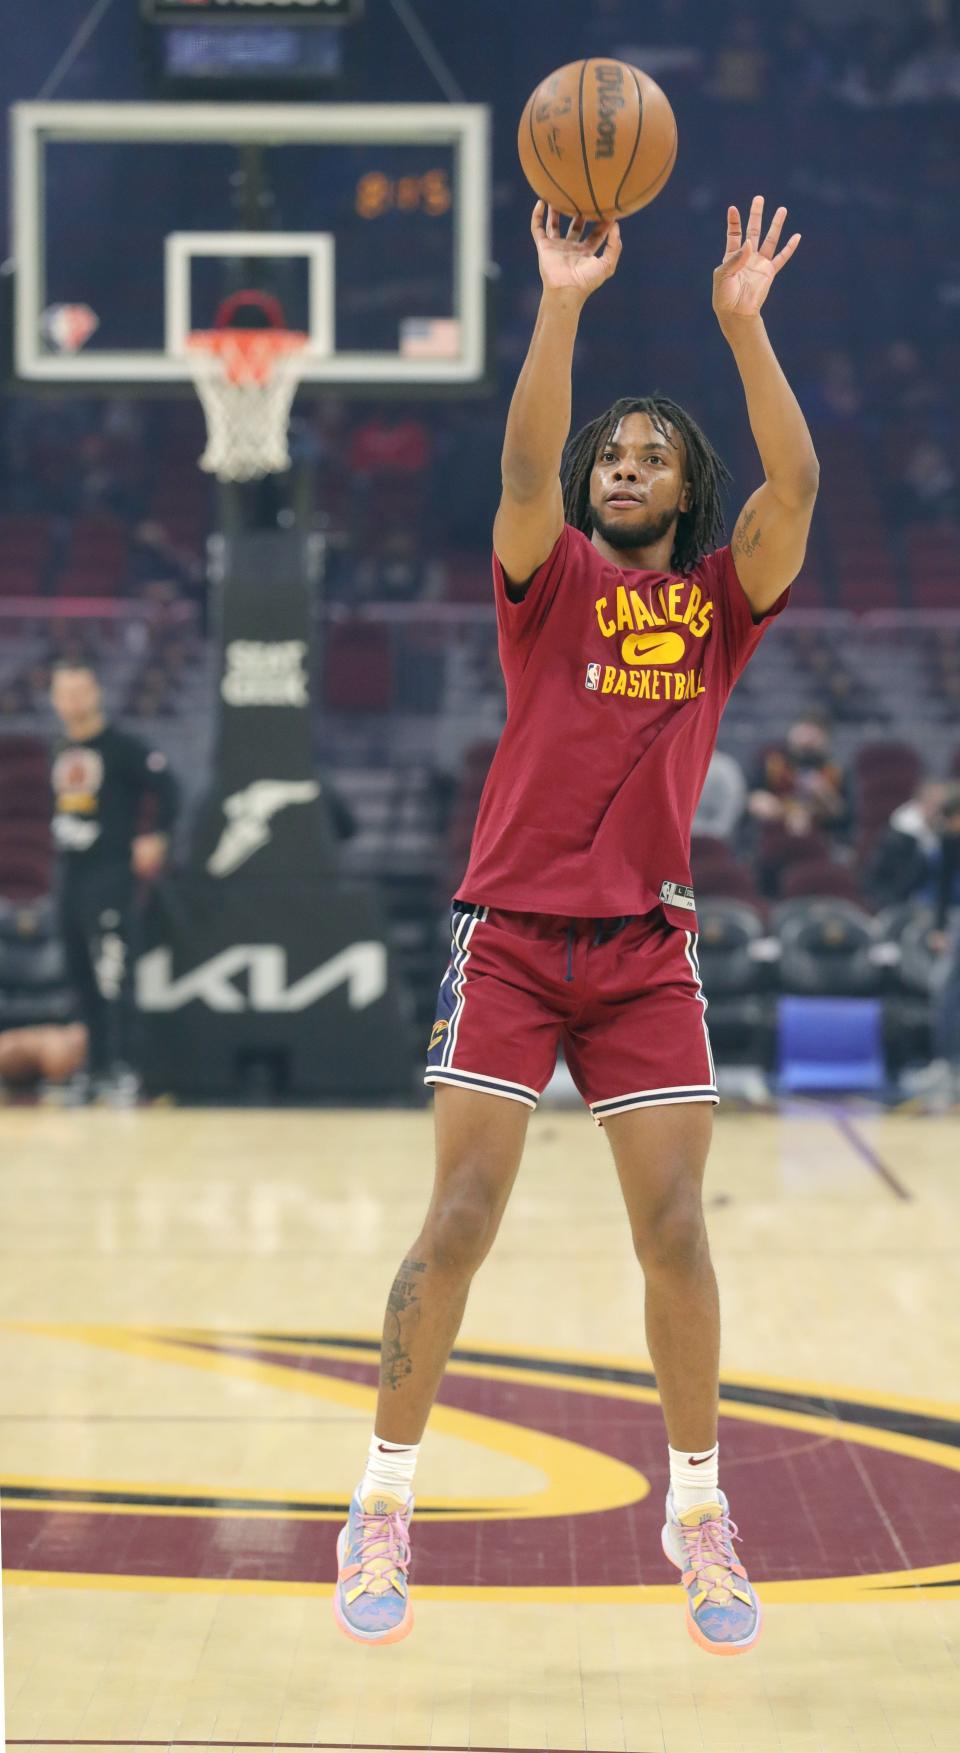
633, 615
650, 638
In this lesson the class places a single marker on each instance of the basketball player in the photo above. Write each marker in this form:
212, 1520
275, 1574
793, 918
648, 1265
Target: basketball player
100, 777
623, 627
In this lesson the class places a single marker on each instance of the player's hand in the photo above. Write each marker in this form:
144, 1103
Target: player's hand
148, 853
578, 262
749, 267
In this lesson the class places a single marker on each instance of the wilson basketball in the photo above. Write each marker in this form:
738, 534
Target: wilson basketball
598, 138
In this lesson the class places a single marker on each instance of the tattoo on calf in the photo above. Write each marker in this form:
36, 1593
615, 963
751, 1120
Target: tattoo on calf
403, 1309
745, 541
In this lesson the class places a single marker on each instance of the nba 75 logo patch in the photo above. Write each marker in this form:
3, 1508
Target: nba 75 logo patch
593, 677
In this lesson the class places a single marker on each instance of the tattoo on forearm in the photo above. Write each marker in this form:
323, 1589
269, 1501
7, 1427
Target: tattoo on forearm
746, 541
403, 1310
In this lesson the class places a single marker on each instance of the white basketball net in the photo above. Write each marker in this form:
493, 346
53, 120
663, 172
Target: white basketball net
246, 380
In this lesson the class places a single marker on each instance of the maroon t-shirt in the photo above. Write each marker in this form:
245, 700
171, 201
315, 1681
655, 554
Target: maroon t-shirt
616, 680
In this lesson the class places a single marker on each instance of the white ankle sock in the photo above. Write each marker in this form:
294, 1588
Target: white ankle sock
390, 1467
694, 1477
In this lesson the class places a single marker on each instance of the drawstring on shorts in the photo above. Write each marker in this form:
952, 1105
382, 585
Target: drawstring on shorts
606, 929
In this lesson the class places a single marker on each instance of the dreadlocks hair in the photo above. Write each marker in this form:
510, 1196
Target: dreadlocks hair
700, 529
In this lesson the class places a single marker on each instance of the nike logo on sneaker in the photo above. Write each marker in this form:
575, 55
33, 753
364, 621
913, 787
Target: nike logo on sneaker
692, 1460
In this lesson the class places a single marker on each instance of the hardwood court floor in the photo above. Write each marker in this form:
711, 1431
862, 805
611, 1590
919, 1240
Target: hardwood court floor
188, 1309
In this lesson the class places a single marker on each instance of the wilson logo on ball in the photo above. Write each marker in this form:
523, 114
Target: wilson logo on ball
610, 100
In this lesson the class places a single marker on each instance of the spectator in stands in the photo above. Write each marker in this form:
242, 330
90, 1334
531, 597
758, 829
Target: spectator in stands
902, 385
804, 69
392, 442
722, 799
798, 785
396, 572
928, 486
49, 1053
741, 64
155, 558
101, 778
906, 861
868, 79
835, 397
938, 1086
933, 74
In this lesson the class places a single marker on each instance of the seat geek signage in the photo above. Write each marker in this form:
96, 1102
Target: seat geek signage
318, 11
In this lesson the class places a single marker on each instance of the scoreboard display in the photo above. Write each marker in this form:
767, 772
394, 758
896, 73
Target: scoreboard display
247, 47
251, 11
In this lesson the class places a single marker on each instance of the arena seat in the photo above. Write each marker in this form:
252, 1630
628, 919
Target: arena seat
24, 872
821, 877
358, 668
33, 985
730, 882
88, 580
20, 578
887, 766
830, 1044
827, 947
728, 930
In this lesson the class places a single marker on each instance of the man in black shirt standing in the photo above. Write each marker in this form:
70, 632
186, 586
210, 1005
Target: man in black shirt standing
100, 778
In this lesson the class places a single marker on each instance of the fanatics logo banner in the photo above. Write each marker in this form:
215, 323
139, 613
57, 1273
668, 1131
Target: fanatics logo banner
593, 677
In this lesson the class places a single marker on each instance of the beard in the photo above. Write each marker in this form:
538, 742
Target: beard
639, 532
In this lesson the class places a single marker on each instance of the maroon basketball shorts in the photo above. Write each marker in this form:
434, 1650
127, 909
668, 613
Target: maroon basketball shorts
622, 996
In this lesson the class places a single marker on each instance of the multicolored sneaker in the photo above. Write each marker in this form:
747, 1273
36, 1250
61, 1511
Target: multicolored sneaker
371, 1601
723, 1613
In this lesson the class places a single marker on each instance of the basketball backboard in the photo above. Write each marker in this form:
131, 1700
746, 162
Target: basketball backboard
370, 222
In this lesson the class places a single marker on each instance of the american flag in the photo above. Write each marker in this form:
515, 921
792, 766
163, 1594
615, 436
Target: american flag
430, 338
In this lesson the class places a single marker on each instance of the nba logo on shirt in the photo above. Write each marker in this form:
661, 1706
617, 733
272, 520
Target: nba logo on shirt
593, 677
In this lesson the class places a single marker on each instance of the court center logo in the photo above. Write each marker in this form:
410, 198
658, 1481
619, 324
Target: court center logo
580, 1474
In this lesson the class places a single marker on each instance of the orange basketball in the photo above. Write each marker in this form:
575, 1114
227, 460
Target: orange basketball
598, 138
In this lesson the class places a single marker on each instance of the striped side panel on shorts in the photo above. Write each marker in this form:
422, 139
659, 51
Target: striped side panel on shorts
465, 927
691, 954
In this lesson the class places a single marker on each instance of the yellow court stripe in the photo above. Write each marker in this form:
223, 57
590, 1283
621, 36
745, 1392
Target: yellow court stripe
580, 1480
514, 1439
820, 1424
819, 1390
910, 1585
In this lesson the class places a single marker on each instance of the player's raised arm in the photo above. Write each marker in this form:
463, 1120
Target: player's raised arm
770, 536
530, 517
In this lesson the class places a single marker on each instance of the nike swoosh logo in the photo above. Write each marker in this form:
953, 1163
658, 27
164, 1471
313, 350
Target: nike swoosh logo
693, 1462
388, 1449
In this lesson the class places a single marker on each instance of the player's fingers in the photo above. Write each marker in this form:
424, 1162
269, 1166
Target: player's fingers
755, 220
553, 222
612, 244
773, 235
536, 219
737, 259
576, 228
788, 250
734, 229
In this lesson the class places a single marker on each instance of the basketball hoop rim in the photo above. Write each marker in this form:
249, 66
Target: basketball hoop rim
247, 356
